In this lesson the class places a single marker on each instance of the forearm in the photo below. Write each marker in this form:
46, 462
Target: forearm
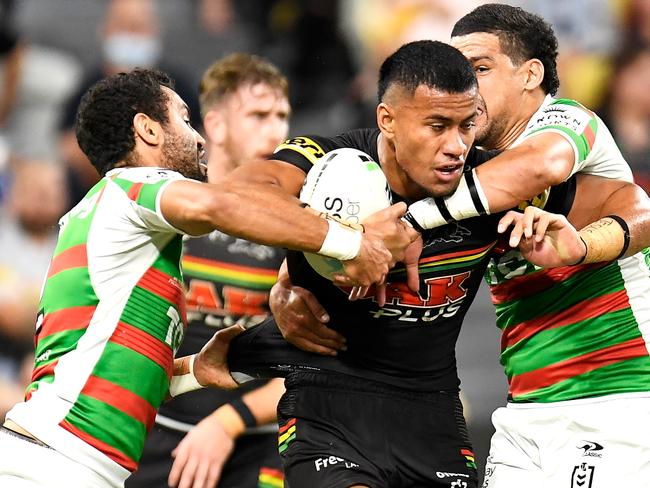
257, 407
632, 204
502, 183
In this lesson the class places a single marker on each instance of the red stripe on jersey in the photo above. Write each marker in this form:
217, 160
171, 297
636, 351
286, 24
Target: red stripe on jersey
286, 426
134, 191
163, 285
122, 399
118, 456
145, 344
590, 135
73, 257
554, 373
44, 370
531, 284
72, 318
587, 309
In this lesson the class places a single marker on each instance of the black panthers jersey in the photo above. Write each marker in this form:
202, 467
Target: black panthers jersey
228, 282
410, 341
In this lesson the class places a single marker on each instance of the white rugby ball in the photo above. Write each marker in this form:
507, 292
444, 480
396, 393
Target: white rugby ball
347, 184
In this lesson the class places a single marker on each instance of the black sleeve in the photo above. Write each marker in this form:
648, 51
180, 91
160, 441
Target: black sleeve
303, 151
478, 156
560, 199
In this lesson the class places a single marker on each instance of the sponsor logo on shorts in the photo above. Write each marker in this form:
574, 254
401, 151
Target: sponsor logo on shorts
326, 462
591, 449
582, 476
489, 471
442, 474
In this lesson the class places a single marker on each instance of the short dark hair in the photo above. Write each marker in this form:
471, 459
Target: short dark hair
104, 124
430, 63
522, 36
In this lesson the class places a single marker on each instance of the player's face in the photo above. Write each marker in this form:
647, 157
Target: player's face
500, 85
433, 132
257, 121
183, 147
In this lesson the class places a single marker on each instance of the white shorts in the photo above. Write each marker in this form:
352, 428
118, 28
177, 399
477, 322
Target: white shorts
578, 444
24, 464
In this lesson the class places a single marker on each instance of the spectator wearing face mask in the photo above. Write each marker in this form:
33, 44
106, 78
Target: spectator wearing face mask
130, 37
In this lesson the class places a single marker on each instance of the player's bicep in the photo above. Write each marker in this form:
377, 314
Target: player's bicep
189, 205
597, 196
553, 153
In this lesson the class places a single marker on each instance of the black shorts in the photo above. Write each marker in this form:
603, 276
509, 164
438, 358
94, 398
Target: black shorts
337, 431
253, 463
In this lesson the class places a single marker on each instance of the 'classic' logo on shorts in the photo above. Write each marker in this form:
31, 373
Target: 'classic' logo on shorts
326, 462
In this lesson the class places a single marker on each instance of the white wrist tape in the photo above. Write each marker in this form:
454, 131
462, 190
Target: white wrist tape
341, 242
467, 201
185, 382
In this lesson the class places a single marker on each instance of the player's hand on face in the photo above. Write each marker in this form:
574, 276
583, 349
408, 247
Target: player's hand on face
543, 238
302, 319
210, 364
199, 458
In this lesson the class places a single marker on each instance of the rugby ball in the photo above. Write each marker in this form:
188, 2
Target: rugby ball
348, 184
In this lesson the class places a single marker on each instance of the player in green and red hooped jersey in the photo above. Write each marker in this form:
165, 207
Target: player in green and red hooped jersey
112, 308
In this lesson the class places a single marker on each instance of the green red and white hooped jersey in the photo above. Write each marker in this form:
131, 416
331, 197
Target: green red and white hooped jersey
112, 317
577, 331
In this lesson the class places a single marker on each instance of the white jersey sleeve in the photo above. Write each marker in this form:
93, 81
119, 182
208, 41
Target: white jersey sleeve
594, 147
144, 187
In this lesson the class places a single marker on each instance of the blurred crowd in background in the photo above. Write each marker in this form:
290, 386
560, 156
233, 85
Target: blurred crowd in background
51, 51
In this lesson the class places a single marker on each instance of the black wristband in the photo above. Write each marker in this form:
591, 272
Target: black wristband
408, 216
626, 233
244, 412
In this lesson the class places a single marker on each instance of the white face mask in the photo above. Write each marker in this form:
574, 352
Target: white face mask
130, 50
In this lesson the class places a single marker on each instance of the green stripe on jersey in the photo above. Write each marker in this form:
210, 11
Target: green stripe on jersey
149, 194
627, 376
169, 260
580, 141
112, 367
147, 312
57, 295
126, 434
75, 231
58, 344
561, 343
34, 385
582, 286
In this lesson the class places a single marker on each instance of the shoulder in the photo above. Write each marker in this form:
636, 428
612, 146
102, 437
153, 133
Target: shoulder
563, 114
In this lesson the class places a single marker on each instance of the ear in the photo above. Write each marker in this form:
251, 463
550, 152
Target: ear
534, 72
386, 120
148, 129
216, 129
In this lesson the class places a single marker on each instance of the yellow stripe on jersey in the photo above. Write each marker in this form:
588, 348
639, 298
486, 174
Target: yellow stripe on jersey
305, 146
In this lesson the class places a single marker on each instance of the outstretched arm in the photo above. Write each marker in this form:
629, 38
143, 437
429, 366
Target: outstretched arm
199, 458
